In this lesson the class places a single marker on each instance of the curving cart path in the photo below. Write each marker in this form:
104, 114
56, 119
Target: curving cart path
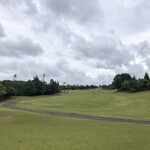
12, 106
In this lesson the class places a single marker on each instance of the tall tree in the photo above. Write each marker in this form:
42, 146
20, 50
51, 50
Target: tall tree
146, 76
119, 79
38, 85
30, 89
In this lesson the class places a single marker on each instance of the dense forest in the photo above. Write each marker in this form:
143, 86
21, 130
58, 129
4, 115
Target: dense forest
27, 88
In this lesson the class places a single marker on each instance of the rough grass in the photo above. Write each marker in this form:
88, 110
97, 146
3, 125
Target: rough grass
96, 103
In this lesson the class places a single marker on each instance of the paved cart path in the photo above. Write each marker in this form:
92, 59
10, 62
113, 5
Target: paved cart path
12, 106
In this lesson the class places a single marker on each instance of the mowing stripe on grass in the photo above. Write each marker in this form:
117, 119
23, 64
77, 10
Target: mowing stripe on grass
11, 105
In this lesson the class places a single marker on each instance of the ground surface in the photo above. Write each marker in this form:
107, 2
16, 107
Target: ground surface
96, 103
26, 130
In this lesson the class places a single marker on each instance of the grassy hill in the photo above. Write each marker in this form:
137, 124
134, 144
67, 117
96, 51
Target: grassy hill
95, 103
26, 130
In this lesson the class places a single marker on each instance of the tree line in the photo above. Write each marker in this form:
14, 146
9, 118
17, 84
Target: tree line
77, 87
122, 82
125, 82
33, 87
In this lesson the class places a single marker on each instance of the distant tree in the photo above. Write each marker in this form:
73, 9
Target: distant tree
110, 87
134, 78
119, 79
145, 84
146, 76
139, 85
3, 91
125, 86
11, 91
44, 77
38, 86
17, 85
148, 85
132, 85
142, 85
54, 86
30, 89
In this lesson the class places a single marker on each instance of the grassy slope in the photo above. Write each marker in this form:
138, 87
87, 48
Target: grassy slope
30, 131
96, 103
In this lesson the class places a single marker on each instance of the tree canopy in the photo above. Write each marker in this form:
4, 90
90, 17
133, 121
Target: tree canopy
27, 88
125, 82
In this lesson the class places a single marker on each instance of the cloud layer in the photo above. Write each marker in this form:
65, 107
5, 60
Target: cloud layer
79, 42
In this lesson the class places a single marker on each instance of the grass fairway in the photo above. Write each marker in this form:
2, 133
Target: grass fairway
95, 103
30, 131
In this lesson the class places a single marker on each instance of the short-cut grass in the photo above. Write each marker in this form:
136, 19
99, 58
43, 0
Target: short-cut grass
32, 131
95, 103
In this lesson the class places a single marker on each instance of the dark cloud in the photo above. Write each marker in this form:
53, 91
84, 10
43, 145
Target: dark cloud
19, 48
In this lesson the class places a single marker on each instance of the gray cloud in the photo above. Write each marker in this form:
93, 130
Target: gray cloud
80, 41
28, 68
137, 70
133, 16
148, 63
71, 75
19, 48
2, 33
142, 49
27, 6
141, 15
81, 12
108, 51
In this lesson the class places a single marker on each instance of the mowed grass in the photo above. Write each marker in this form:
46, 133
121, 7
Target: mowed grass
30, 131
21, 130
95, 103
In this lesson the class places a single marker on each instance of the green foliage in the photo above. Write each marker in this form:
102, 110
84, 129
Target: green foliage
79, 87
18, 85
11, 91
135, 85
146, 76
30, 88
125, 85
119, 79
131, 84
38, 86
54, 86
111, 87
3, 91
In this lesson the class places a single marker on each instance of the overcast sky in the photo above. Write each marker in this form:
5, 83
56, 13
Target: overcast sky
76, 41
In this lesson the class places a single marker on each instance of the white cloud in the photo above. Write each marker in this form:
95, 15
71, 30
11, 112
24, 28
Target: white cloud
83, 42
